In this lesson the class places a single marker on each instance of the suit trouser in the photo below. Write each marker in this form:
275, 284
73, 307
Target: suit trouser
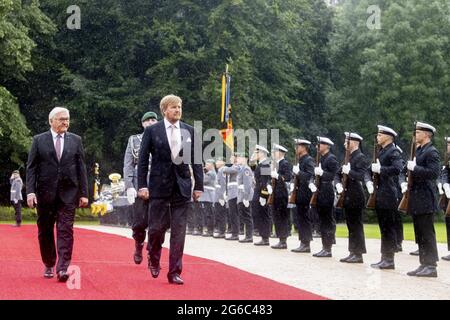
246, 218
208, 216
387, 223
447, 225
164, 213
18, 211
234, 216
220, 213
280, 215
398, 227
327, 226
140, 219
356, 239
426, 237
64, 216
263, 221
304, 223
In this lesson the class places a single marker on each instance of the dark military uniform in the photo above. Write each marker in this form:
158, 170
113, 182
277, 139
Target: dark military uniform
423, 202
355, 202
280, 211
445, 178
262, 216
325, 200
303, 198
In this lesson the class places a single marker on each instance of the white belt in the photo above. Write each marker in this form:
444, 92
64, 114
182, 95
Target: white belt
232, 184
241, 187
218, 186
209, 188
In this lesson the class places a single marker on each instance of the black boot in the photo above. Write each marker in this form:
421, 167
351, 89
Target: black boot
280, 245
386, 263
263, 242
304, 248
355, 258
138, 252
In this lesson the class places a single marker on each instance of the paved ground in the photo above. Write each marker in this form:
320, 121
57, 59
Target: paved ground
324, 276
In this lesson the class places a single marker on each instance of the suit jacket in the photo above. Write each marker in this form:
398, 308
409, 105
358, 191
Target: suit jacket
388, 193
423, 198
330, 167
354, 193
48, 178
281, 192
164, 173
304, 177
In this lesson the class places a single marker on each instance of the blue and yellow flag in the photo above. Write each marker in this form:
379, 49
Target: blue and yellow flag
227, 123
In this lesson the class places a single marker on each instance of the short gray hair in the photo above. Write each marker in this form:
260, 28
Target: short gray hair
57, 110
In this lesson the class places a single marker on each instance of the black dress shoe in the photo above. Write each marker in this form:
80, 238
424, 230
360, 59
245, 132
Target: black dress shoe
346, 258
154, 270
304, 248
414, 253
233, 238
219, 236
323, 254
246, 240
384, 265
48, 273
279, 245
263, 242
355, 258
428, 271
138, 253
414, 272
446, 258
63, 276
175, 279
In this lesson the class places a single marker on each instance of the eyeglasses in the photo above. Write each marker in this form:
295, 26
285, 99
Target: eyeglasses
62, 119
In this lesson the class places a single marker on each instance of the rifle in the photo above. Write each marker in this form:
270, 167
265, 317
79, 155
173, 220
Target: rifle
293, 197
271, 196
313, 201
443, 200
403, 207
340, 203
375, 177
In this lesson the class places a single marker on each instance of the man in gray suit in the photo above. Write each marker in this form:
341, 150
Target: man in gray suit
140, 206
16, 195
208, 197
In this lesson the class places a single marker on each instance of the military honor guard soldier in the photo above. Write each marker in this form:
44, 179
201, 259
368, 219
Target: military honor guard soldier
16, 195
327, 169
140, 206
445, 181
208, 197
245, 195
354, 199
231, 172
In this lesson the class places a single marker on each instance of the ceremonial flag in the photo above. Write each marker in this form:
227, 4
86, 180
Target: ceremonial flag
227, 123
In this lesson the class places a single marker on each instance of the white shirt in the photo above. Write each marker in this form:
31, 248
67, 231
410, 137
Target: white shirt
168, 127
54, 135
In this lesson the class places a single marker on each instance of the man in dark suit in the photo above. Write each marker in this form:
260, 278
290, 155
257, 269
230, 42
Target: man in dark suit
424, 170
326, 171
171, 145
303, 173
281, 177
354, 200
56, 185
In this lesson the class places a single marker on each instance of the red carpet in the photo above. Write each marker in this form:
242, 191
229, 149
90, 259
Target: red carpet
108, 272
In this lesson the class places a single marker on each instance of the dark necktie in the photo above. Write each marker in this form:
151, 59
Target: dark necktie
58, 146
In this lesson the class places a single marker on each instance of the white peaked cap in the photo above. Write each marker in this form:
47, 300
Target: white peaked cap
353, 136
425, 127
277, 147
302, 141
261, 148
325, 140
387, 130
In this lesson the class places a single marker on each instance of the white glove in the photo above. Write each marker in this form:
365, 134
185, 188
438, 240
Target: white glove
262, 201
131, 195
312, 187
346, 168
225, 196
246, 203
296, 169
222, 202
269, 189
376, 167
274, 175
411, 165
404, 186
339, 188
369, 186
291, 187
446, 187
318, 170
441, 191
15, 201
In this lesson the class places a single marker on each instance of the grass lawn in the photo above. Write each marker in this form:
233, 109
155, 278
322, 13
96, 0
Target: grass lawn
372, 231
